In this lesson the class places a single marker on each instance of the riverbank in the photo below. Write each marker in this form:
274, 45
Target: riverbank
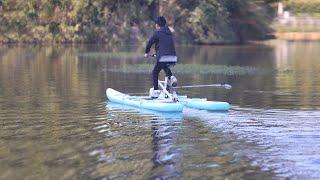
297, 20
298, 36
297, 28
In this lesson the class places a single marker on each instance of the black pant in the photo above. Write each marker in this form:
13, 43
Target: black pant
156, 70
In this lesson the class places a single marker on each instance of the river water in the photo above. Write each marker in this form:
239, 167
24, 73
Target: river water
57, 124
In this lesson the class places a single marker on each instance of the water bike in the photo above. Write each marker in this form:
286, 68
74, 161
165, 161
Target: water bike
168, 100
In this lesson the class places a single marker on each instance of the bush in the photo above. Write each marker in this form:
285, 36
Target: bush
205, 21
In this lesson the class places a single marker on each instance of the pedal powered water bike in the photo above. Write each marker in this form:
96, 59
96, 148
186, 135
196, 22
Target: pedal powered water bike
168, 100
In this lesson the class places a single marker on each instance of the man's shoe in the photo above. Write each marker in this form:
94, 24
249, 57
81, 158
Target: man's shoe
154, 93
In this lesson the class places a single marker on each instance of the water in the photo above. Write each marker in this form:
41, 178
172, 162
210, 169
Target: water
56, 123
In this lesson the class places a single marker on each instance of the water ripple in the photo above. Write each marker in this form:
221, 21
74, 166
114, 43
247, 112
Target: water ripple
286, 142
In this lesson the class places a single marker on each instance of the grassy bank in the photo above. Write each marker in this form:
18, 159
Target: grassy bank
296, 32
284, 28
298, 36
303, 7
304, 22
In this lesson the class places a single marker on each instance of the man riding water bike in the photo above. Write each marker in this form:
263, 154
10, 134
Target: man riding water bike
165, 53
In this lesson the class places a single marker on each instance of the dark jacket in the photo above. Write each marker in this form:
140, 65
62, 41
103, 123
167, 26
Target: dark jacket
163, 40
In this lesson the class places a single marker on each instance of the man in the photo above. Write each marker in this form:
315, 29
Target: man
165, 52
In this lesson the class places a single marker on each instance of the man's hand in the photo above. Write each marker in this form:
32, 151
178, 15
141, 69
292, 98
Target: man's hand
146, 55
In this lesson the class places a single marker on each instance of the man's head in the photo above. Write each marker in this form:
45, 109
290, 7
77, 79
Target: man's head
160, 22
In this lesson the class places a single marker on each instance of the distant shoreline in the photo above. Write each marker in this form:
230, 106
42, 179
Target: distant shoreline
297, 27
298, 36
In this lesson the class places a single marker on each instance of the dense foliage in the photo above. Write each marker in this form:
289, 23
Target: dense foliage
205, 21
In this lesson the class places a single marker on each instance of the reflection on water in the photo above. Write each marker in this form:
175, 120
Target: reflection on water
164, 127
56, 123
185, 148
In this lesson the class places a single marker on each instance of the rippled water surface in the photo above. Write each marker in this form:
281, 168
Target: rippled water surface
56, 123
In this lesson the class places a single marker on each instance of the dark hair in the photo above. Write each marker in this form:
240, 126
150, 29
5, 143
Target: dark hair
161, 21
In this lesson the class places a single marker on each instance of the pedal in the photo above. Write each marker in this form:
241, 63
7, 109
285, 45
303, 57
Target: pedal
173, 82
175, 96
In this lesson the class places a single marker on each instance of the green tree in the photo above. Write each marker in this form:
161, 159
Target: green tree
206, 21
